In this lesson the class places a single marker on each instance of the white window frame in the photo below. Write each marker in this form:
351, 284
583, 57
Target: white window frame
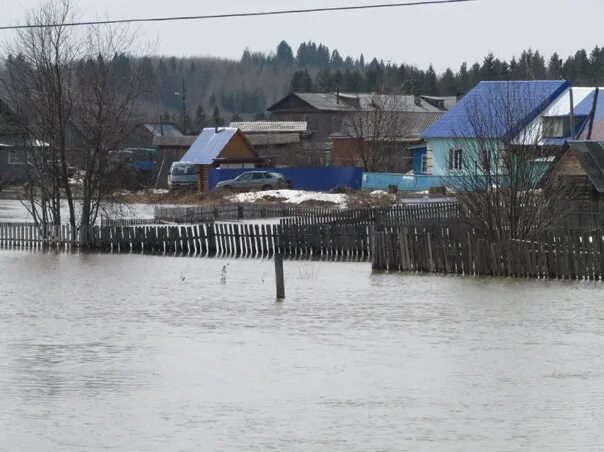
455, 159
424, 163
14, 158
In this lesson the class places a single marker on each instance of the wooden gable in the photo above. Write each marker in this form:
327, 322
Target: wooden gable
238, 147
291, 103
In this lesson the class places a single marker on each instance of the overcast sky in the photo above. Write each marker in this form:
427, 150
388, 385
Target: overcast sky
444, 35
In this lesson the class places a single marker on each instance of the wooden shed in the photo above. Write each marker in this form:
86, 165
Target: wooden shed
580, 170
221, 148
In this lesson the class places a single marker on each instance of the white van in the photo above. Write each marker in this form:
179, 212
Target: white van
183, 174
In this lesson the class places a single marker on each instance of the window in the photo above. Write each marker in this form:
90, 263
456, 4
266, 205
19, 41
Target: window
424, 168
554, 127
258, 176
15, 157
245, 176
455, 159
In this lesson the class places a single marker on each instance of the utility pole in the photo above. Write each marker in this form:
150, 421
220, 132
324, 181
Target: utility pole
183, 113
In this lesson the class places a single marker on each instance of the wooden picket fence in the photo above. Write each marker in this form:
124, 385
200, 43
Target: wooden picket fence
232, 212
24, 235
553, 254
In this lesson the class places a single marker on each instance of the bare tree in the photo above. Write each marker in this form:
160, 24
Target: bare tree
61, 84
500, 165
378, 130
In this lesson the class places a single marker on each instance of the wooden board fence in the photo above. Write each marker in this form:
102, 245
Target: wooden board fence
442, 250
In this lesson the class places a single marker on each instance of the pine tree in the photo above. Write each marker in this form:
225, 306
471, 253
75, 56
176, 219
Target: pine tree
301, 82
200, 118
430, 86
448, 83
554, 68
218, 120
285, 55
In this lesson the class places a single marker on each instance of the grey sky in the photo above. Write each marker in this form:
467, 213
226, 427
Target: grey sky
442, 35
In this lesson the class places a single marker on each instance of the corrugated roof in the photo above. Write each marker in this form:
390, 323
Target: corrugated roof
591, 156
159, 129
208, 145
351, 102
267, 139
175, 141
271, 126
496, 109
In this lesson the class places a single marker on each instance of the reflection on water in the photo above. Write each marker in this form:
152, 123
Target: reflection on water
119, 352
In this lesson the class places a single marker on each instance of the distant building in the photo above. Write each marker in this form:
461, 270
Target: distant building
144, 134
12, 143
580, 170
221, 148
284, 143
325, 112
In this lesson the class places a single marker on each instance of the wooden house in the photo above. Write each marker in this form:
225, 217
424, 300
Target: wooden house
284, 143
580, 170
221, 148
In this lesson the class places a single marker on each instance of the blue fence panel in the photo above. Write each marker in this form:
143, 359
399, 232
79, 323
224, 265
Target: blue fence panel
404, 182
417, 182
316, 179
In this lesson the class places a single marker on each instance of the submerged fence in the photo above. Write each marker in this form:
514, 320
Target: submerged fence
553, 254
417, 238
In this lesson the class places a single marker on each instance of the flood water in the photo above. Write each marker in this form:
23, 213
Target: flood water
155, 353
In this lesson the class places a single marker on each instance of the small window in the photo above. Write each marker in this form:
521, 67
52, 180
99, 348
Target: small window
245, 176
455, 159
556, 127
424, 168
258, 176
15, 157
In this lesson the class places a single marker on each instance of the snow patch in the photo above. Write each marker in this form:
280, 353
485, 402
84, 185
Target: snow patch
291, 197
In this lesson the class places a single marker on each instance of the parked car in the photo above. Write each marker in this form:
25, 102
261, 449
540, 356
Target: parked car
259, 180
183, 174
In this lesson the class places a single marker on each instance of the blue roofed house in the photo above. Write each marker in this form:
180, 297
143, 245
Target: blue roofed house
489, 116
223, 147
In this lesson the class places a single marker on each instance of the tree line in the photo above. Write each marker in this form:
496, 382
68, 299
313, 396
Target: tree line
220, 90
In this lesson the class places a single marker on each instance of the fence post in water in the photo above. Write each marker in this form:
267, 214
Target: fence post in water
279, 276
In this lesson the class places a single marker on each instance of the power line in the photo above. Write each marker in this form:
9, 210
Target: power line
235, 15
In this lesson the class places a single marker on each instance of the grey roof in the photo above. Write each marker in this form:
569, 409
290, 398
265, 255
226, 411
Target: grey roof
184, 141
267, 139
208, 145
351, 102
444, 102
271, 126
160, 129
397, 125
591, 156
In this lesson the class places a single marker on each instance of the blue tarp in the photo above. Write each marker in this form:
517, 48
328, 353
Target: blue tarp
316, 179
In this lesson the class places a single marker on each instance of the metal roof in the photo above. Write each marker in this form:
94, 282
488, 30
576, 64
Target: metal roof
267, 139
271, 126
160, 129
174, 141
496, 110
591, 156
208, 145
351, 102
